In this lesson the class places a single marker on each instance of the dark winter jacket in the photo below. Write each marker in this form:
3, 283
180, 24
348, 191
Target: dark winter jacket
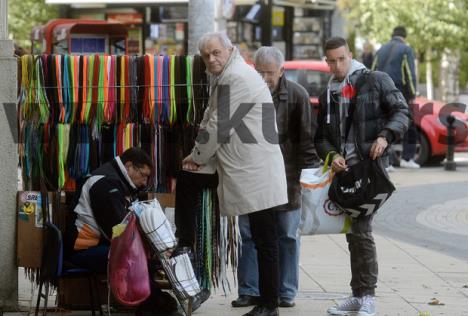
103, 203
296, 124
380, 110
396, 59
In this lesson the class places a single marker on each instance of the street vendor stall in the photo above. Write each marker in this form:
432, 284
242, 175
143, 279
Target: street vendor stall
73, 36
78, 111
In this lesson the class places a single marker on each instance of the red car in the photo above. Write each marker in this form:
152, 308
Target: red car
313, 75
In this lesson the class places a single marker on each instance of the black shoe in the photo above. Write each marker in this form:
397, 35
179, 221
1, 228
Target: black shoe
286, 303
263, 311
158, 303
200, 298
245, 300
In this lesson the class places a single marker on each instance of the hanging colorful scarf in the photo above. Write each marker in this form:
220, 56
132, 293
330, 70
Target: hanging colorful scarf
156, 88
89, 89
67, 89
75, 82
113, 90
188, 65
172, 76
63, 135
133, 87
166, 97
58, 76
95, 88
160, 89
148, 100
124, 91
99, 115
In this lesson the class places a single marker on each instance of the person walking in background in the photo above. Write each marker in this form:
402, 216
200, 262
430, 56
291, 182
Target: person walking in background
367, 56
296, 128
396, 58
379, 117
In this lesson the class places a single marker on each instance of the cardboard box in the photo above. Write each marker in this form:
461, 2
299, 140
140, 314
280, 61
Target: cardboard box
165, 199
29, 228
73, 293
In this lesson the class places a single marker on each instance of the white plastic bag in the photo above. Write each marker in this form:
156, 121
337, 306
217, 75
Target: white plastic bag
180, 272
319, 215
154, 224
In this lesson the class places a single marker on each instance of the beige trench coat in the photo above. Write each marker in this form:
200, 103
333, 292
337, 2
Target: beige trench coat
251, 173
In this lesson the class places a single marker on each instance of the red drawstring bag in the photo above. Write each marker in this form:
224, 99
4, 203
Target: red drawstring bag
128, 265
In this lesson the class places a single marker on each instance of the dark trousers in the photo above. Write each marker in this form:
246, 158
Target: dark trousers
363, 257
263, 226
410, 139
94, 258
409, 142
188, 192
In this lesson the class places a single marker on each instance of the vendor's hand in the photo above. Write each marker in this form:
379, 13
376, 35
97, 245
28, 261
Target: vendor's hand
378, 147
189, 165
338, 164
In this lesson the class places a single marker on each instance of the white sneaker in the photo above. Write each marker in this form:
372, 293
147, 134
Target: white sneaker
390, 168
367, 306
349, 307
410, 164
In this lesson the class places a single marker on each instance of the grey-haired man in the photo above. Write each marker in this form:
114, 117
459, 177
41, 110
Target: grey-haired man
296, 128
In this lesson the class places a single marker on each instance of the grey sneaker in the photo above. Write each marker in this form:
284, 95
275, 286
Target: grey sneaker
349, 307
367, 306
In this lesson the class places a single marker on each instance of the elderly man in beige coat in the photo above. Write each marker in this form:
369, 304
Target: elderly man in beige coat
238, 136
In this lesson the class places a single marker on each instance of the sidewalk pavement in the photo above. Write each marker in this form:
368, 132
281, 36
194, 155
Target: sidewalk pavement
410, 279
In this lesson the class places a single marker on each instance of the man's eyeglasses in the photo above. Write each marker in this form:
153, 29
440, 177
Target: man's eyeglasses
142, 174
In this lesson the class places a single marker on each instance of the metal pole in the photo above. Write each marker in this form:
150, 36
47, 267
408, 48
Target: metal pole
9, 168
267, 10
450, 165
201, 21
3, 19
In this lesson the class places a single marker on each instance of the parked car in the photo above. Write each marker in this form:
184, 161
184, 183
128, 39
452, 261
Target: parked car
430, 121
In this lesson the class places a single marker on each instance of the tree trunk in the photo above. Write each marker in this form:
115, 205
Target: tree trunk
449, 74
429, 84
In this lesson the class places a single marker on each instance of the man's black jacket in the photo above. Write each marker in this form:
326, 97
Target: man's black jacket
380, 110
296, 124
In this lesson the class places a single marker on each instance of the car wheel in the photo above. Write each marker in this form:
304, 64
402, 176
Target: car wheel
423, 150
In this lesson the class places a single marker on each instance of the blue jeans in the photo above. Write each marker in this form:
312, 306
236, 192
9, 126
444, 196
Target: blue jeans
289, 249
